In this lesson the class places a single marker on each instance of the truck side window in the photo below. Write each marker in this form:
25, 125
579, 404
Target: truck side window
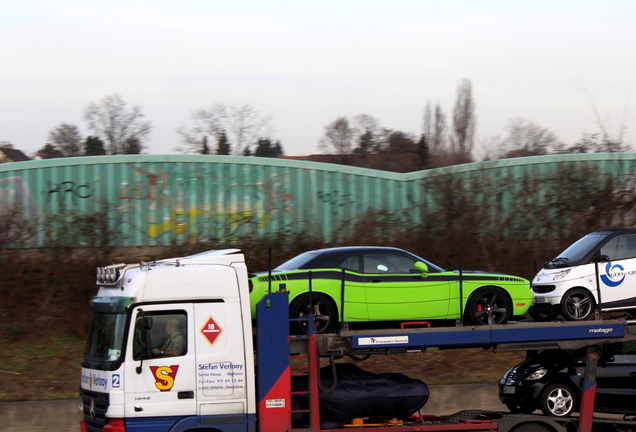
168, 335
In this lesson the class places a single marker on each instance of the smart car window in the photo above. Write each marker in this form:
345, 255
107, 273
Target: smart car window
620, 247
581, 247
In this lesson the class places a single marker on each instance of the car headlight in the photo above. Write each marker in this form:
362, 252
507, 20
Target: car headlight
561, 274
538, 374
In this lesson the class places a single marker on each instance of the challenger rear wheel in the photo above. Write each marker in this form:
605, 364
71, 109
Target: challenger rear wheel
325, 316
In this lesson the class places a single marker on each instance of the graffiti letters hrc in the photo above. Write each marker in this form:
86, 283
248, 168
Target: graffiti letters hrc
68, 188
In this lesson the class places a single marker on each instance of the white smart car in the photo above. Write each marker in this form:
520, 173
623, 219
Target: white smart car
598, 269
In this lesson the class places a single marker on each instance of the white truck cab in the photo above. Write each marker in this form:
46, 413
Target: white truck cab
170, 341
598, 269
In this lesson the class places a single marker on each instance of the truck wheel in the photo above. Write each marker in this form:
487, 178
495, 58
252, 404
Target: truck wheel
521, 408
530, 427
321, 306
577, 305
557, 400
487, 306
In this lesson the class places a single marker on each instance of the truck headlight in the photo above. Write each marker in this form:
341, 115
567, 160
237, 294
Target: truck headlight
538, 374
561, 274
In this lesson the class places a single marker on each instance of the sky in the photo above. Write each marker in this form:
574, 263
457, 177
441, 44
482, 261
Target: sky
561, 64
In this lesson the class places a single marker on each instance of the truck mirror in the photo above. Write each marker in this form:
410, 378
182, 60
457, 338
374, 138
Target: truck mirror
146, 345
146, 323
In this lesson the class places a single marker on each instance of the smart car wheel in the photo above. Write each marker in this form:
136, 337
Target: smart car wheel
488, 306
577, 305
557, 400
321, 306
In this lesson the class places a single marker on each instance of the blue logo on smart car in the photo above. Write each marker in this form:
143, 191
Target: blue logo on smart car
612, 271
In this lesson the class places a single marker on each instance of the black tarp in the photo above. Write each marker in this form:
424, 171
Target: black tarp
359, 393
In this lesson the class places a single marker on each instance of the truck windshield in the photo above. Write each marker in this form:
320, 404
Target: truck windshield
106, 332
105, 337
576, 252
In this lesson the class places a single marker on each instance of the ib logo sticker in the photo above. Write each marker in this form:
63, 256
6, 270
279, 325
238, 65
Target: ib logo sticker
612, 272
164, 376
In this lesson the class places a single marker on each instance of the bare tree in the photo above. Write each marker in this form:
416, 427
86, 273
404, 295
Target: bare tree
338, 138
67, 139
604, 141
526, 138
594, 143
112, 122
462, 138
435, 128
241, 125
435, 133
369, 135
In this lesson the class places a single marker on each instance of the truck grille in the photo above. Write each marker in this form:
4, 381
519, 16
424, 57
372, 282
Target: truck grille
95, 406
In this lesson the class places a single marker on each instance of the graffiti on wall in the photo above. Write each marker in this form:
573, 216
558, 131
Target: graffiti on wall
203, 206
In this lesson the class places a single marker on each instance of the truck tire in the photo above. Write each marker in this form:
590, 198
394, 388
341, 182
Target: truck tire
521, 408
325, 316
577, 305
558, 400
530, 427
488, 305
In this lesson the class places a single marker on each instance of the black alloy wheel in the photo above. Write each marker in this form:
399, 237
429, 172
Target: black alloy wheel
325, 316
577, 305
488, 306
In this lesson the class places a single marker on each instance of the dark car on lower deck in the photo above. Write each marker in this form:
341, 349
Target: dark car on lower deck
551, 381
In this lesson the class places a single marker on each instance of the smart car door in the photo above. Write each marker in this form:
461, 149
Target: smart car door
617, 276
397, 290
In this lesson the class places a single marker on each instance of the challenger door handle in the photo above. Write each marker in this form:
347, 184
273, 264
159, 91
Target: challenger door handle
376, 280
185, 395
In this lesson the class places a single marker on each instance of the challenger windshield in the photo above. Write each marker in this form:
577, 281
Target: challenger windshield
106, 332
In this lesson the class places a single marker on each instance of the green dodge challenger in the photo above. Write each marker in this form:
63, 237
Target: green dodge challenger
370, 284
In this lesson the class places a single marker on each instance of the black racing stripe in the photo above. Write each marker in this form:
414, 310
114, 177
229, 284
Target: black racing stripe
315, 275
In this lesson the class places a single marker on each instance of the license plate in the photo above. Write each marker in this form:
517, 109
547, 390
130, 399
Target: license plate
509, 390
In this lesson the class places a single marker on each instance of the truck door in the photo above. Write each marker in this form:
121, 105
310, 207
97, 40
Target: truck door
221, 363
167, 383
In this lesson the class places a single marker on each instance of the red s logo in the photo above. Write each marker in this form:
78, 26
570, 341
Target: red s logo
164, 376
